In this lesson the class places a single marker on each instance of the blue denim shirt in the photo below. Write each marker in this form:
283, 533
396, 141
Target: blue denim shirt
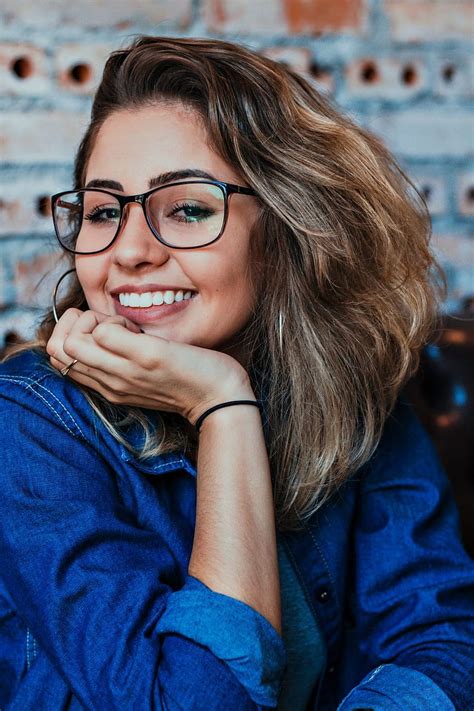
97, 610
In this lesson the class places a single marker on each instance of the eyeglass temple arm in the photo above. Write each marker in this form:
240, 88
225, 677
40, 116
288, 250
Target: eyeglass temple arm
239, 189
70, 205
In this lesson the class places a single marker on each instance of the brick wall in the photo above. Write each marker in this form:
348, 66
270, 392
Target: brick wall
402, 67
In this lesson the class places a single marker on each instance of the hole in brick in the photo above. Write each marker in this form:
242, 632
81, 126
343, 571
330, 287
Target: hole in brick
317, 71
80, 73
426, 191
409, 75
448, 73
43, 206
470, 194
12, 337
22, 67
369, 73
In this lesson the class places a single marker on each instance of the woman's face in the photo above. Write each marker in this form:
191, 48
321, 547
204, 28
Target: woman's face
133, 148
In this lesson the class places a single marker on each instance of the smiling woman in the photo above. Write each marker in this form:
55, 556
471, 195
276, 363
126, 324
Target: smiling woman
213, 495
183, 201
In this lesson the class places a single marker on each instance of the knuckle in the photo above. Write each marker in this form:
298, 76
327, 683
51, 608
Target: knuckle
70, 345
51, 348
116, 384
113, 397
72, 312
101, 332
149, 361
69, 318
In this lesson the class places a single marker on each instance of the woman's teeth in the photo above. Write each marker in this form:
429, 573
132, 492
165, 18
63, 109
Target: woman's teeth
153, 298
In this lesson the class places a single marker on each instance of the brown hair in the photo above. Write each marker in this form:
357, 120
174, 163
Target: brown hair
347, 287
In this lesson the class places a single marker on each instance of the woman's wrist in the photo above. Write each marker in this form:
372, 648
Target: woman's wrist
237, 387
212, 411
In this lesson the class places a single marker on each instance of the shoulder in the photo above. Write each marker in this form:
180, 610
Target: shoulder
52, 445
405, 495
403, 488
405, 450
28, 384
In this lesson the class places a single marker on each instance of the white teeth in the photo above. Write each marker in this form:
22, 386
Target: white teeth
155, 298
146, 299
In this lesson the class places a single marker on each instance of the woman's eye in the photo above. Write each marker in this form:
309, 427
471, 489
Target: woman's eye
103, 214
190, 213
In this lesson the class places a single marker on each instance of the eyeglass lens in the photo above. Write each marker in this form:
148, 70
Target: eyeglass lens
184, 215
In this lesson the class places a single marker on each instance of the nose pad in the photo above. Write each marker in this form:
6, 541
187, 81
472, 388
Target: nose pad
126, 213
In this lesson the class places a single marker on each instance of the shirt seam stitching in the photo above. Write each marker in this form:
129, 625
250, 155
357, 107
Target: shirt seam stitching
28, 384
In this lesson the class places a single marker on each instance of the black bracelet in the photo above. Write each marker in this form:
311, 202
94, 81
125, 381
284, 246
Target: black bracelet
199, 420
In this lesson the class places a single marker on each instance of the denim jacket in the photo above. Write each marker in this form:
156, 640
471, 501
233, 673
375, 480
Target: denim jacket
97, 610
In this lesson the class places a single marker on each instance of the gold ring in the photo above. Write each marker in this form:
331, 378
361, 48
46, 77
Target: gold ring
66, 370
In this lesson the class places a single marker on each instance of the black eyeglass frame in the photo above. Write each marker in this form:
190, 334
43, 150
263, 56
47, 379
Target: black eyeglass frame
123, 200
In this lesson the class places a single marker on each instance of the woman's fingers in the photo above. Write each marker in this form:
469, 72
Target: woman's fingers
115, 336
54, 346
72, 339
133, 368
107, 344
93, 339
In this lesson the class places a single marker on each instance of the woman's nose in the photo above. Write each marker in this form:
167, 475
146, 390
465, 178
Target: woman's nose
135, 243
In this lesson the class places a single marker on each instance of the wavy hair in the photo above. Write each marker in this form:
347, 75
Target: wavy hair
347, 289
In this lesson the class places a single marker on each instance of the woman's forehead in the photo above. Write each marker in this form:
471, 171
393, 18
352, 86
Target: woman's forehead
143, 143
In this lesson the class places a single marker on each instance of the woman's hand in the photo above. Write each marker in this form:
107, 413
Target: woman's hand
129, 367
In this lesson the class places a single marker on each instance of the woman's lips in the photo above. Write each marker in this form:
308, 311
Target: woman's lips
151, 314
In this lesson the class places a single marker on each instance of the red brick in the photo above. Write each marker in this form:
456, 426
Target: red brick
433, 188
454, 76
41, 136
297, 58
456, 254
394, 78
300, 60
79, 66
3, 285
24, 70
36, 274
20, 321
310, 17
19, 203
317, 16
419, 20
421, 133
118, 14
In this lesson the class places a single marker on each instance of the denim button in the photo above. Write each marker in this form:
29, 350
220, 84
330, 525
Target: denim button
323, 595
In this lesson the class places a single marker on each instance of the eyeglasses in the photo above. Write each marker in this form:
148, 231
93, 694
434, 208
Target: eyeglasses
182, 215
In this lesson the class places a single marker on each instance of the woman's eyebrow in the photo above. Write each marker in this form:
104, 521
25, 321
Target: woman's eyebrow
155, 182
169, 177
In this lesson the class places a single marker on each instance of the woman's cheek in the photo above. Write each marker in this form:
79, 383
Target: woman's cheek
92, 276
